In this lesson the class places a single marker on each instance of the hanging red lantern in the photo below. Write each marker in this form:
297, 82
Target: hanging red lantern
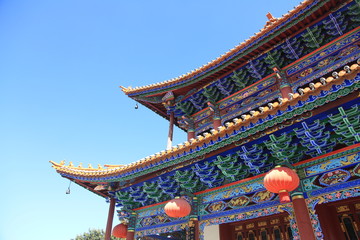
120, 231
281, 180
177, 207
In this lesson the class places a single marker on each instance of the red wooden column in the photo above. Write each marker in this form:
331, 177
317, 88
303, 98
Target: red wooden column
197, 230
226, 231
302, 217
131, 227
216, 115
283, 82
193, 231
130, 235
110, 219
216, 122
190, 125
190, 134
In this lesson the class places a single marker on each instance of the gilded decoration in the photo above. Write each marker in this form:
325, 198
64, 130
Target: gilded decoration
244, 94
262, 196
248, 201
216, 207
332, 58
347, 40
333, 163
343, 208
238, 202
234, 191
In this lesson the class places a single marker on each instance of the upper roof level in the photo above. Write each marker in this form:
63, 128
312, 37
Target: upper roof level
280, 43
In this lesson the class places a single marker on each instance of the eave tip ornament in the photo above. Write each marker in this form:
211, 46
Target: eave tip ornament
281, 180
177, 208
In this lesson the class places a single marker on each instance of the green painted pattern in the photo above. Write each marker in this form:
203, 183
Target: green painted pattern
230, 168
282, 148
347, 125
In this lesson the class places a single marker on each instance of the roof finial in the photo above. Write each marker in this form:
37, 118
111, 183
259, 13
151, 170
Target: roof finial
269, 16
271, 19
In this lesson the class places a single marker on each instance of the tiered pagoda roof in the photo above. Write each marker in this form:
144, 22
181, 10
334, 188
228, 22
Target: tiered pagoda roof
325, 76
318, 93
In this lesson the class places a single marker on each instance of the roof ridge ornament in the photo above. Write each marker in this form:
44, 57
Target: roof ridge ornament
270, 16
271, 19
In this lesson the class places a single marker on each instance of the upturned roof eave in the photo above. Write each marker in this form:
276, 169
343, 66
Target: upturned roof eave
90, 175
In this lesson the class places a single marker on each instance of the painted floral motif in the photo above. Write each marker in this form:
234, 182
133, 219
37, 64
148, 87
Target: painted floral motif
248, 101
325, 62
331, 197
334, 177
348, 51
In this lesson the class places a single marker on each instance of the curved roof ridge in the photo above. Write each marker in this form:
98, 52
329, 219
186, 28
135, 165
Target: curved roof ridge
269, 25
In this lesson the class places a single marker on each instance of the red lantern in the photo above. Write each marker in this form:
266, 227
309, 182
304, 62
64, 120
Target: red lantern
177, 207
120, 231
281, 180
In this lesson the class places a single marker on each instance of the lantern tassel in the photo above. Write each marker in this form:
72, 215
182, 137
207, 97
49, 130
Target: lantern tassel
284, 196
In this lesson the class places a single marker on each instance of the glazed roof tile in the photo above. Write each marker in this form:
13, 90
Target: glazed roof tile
155, 161
270, 25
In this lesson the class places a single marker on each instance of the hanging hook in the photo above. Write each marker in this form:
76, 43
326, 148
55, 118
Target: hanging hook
136, 106
68, 190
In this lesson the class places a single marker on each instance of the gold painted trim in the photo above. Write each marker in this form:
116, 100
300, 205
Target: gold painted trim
297, 197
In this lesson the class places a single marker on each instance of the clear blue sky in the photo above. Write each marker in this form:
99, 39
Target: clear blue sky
61, 65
